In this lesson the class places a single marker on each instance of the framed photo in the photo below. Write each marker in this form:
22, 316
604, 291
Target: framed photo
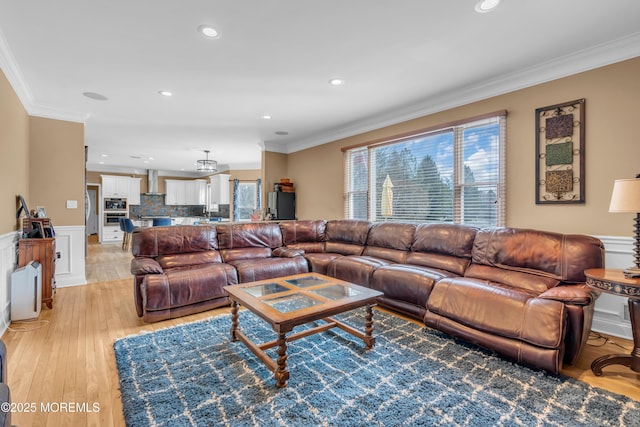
560, 142
42, 213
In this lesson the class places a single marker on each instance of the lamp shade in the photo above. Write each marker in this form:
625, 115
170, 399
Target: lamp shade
625, 196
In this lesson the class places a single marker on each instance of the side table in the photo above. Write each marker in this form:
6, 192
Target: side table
614, 282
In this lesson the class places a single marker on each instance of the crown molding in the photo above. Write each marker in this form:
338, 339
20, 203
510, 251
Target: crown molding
584, 60
12, 72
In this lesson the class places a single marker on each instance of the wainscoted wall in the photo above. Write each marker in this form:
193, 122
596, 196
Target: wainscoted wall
8, 264
70, 266
611, 313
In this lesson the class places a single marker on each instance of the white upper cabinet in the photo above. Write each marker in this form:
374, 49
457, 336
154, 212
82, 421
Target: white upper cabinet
175, 192
219, 191
116, 186
134, 191
197, 192
183, 192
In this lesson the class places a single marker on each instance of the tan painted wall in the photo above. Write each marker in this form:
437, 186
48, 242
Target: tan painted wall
612, 151
56, 169
274, 166
14, 155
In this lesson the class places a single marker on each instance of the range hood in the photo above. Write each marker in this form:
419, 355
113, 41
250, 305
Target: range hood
152, 182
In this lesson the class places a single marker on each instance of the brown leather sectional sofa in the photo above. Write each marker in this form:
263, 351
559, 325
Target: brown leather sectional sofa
518, 292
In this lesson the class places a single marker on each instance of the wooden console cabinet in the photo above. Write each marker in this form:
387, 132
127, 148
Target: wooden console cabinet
43, 251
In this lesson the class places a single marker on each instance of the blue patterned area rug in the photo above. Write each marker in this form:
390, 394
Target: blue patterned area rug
193, 375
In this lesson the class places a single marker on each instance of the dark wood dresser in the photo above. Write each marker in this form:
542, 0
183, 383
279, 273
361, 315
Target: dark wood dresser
44, 251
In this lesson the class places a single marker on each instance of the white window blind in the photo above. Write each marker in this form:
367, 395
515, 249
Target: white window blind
451, 174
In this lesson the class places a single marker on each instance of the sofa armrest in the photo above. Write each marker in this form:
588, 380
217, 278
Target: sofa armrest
572, 294
142, 266
284, 252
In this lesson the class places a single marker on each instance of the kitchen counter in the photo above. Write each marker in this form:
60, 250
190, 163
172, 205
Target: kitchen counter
147, 220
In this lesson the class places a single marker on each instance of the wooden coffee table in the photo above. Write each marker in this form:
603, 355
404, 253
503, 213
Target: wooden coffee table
290, 301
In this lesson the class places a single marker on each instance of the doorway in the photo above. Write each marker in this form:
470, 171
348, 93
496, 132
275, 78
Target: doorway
92, 228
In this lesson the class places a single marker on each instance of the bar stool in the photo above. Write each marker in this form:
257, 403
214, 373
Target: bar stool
128, 229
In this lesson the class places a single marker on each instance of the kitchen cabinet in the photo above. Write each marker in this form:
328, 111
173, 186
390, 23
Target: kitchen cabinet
115, 186
43, 251
111, 234
134, 191
175, 192
185, 192
196, 191
219, 190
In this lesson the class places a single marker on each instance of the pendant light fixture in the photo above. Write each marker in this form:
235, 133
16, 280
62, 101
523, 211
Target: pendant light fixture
207, 165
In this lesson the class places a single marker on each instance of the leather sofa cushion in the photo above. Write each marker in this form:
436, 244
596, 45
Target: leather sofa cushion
249, 235
443, 247
559, 256
355, 269
318, 262
348, 231
408, 283
532, 282
446, 239
250, 270
193, 258
343, 248
390, 241
184, 286
229, 255
393, 235
155, 241
141, 266
307, 231
308, 247
500, 310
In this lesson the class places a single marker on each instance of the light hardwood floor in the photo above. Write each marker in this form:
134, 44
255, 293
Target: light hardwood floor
67, 356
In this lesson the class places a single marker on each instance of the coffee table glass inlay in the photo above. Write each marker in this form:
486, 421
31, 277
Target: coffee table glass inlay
290, 301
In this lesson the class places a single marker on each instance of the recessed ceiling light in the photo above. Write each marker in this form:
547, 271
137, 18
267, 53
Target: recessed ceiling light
101, 163
336, 82
208, 31
266, 117
165, 93
485, 6
95, 96
104, 155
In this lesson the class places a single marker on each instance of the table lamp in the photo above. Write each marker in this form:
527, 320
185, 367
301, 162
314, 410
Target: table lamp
624, 199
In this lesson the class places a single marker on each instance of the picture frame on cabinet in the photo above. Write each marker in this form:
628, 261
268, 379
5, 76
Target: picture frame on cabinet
41, 211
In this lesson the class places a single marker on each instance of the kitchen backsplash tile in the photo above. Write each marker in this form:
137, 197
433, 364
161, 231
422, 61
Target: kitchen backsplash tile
153, 205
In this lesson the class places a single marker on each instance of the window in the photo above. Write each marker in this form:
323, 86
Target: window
450, 174
247, 200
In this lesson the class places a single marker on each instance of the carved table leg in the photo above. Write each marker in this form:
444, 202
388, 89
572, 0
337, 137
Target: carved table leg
629, 360
234, 320
368, 339
281, 373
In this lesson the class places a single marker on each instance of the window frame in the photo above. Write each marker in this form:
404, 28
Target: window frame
458, 129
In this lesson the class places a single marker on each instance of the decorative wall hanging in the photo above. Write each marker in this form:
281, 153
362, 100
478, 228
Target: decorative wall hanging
560, 153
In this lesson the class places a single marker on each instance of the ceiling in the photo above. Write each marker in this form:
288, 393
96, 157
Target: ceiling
399, 60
